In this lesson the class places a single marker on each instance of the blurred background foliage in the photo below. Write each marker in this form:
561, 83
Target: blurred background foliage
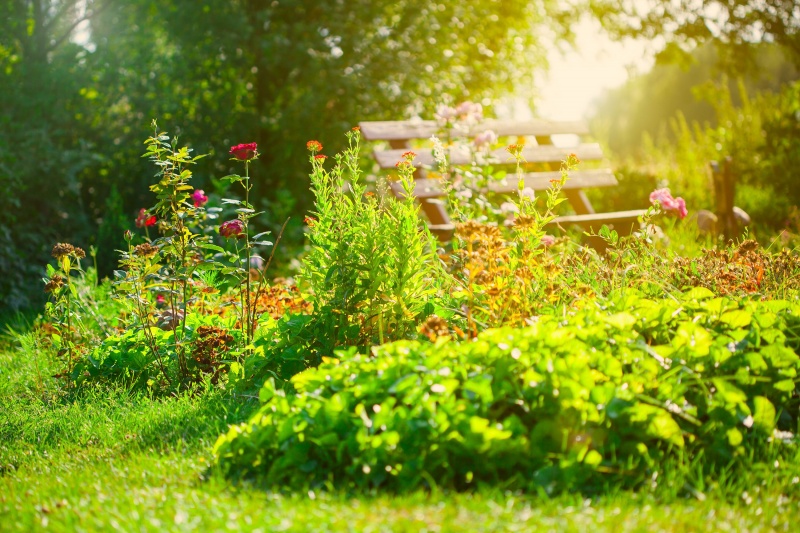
80, 81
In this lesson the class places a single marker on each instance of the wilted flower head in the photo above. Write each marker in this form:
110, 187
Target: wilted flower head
314, 146
231, 228
145, 250
485, 139
79, 253
668, 203
145, 219
244, 152
63, 249
54, 283
199, 198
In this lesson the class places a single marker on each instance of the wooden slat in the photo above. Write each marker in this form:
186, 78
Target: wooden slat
538, 181
461, 156
623, 222
595, 220
423, 129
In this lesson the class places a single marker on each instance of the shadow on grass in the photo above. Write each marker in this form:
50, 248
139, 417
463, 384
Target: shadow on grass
114, 422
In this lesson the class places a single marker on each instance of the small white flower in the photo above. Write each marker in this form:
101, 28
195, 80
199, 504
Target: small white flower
438, 151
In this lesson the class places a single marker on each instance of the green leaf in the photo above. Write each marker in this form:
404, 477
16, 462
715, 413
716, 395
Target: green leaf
665, 428
736, 319
763, 414
593, 458
698, 293
622, 321
729, 393
734, 437
209, 246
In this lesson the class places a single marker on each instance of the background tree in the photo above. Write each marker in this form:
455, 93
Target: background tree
734, 25
80, 82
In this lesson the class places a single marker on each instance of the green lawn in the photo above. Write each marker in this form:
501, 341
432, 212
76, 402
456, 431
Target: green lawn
106, 460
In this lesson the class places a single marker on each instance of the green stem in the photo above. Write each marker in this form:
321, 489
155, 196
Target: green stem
68, 336
246, 314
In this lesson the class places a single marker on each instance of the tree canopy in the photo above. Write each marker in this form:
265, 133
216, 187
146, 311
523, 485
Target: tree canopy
80, 82
684, 24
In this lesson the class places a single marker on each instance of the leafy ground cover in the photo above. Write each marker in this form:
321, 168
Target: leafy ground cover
510, 380
112, 460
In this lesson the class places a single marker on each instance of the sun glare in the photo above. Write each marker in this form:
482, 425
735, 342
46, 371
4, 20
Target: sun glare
578, 77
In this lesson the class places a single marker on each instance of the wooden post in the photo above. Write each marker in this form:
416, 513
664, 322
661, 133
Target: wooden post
724, 187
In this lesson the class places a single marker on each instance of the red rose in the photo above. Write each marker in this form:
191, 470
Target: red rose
244, 152
231, 228
143, 220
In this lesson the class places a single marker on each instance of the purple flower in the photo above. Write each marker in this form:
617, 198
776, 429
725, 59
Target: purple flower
668, 203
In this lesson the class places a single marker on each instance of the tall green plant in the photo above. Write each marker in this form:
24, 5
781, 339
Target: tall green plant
372, 268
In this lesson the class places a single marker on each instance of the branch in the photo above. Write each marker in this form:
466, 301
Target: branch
88, 16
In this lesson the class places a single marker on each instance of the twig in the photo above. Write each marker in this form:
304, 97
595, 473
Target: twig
264, 275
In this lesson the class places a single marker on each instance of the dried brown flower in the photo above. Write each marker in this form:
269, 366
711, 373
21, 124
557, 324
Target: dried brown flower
434, 327
63, 249
55, 283
145, 250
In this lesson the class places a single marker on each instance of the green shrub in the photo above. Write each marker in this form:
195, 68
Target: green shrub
611, 390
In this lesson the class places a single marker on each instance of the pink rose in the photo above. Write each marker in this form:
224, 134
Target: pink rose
668, 203
199, 198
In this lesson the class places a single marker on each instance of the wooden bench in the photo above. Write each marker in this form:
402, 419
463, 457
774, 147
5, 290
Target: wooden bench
540, 151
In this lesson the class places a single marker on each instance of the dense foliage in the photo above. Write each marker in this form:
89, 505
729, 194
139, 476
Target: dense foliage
609, 391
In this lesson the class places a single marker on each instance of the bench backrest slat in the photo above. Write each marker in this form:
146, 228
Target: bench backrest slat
427, 188
423, 129
546, 153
